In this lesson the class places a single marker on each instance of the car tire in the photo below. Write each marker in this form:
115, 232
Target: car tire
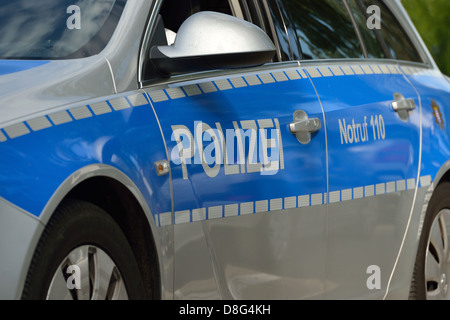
432, 267
83, 255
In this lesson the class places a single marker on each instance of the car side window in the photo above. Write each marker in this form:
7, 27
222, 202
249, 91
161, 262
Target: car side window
276, 29
324, 29
389, 39
373, 40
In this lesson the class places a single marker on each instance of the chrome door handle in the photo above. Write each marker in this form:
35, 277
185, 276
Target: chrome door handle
405, 104
402, 106
309, 125
303, 126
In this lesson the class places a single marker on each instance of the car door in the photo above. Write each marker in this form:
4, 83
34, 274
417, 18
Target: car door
249, 196
373, 124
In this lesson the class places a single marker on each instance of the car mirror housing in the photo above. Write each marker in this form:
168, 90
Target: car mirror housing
212, 40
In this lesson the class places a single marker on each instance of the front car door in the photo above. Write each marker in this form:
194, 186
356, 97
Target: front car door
249, 196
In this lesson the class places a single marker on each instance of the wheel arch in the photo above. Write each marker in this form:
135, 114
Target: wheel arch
443, 174
114, 192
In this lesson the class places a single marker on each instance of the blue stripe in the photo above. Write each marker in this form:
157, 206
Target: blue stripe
12, 66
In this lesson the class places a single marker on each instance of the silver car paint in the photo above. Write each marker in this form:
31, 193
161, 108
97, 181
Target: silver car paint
398, 280
125, 45
19, 234
38, 90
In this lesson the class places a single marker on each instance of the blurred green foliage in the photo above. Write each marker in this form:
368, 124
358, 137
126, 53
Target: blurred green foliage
432, 20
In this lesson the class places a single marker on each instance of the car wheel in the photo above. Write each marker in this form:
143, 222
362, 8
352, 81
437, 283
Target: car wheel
431, 275
83, 255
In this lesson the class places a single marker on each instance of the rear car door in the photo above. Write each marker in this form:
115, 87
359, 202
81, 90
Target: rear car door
373, 124
249, 196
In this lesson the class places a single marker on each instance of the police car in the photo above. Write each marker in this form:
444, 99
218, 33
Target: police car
221, 150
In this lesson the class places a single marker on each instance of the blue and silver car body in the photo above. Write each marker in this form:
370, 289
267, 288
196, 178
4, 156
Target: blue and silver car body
294, 179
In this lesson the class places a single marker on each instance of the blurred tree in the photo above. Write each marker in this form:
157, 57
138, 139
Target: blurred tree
431, 18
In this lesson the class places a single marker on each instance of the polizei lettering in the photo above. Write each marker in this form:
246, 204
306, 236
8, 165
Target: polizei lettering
244, 147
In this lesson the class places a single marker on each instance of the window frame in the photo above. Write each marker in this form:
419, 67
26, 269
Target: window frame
294, 52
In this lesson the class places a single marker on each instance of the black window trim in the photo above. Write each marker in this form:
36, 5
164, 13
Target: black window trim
264, 21
295, 45
356, 29
274, 32
145, 41
246, 10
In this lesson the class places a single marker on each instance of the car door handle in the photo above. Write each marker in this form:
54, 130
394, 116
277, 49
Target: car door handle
402, 106
309, 125
303, 126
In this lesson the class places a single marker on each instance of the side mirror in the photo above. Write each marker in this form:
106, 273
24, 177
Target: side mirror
212, 40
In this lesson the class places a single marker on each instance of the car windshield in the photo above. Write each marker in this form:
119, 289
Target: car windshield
63, 29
